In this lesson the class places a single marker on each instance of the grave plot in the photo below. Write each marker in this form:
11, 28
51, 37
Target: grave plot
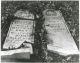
59, 37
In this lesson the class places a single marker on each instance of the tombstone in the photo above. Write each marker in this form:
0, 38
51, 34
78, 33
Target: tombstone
20, 30
59, 36
20, 33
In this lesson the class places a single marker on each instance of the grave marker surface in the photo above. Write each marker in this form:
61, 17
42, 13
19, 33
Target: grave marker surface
19, 31
59, 37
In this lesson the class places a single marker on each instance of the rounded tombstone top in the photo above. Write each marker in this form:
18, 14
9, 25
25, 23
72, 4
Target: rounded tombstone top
51, 13
24, 14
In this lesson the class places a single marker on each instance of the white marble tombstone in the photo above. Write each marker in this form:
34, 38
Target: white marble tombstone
59, 37
20, 30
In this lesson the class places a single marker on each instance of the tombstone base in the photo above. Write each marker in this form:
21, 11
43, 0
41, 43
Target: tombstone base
15, 57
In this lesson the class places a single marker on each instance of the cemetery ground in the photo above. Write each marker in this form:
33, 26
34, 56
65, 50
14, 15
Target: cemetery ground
70, 11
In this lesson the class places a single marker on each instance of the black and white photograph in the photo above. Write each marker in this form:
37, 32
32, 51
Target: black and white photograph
39, 31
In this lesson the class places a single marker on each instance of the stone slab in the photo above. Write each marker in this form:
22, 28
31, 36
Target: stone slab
59, 36
19, 31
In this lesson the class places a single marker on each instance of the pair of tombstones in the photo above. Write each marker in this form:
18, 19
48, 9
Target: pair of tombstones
58, 34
